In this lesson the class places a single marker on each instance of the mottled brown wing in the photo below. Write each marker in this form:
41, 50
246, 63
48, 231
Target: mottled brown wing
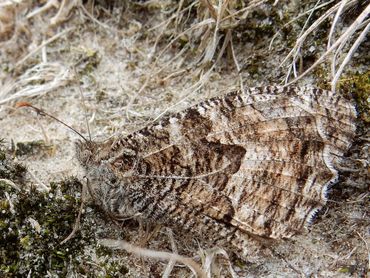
258, 162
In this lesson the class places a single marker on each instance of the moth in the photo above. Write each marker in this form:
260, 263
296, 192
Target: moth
256, 162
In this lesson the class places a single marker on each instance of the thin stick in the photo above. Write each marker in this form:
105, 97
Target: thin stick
172, 262
78, 219
161, 255
349, 55
43, 185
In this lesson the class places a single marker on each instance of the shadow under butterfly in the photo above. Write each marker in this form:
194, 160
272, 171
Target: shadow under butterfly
258, 163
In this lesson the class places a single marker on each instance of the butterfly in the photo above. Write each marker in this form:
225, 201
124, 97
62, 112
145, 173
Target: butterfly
256, 162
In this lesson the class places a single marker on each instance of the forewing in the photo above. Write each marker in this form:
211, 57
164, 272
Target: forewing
260, 162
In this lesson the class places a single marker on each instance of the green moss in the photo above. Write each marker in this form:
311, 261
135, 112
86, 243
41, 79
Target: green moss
33, 224
9, 169
87, 60
358, 85
25, 241
35, 245
27, 148
114, 270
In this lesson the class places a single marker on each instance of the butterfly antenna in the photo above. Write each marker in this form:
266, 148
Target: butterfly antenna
43, 113
85, 109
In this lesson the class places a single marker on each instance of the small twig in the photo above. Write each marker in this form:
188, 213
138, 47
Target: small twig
171, 263
236, 62
161, 255
44, 186
78, 219
12, 184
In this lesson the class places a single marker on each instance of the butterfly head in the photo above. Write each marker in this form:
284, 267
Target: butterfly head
86, 152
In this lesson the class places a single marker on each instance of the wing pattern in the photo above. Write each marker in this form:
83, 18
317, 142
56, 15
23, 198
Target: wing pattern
258, 162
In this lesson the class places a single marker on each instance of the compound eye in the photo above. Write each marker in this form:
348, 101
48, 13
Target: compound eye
84, 156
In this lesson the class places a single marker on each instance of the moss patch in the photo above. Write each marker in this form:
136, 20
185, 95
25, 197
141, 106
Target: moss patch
33, 224
359, 86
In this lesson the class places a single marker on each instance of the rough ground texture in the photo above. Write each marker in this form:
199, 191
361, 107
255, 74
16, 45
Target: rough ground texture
133, 62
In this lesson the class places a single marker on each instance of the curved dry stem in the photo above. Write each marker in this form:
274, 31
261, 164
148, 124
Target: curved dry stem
149, 253
210, 257
338, 43
336, 19
349, 55
302, 38
171, 263
48, 41
40, 79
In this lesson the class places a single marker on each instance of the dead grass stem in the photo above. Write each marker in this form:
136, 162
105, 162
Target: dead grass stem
333, 46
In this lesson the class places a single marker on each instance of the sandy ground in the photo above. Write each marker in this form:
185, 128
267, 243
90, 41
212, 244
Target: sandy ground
112, 63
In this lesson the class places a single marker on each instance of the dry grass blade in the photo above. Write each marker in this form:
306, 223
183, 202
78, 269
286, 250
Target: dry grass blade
171, 263
48, 41
236, 62
210, 7
200, 83
78, 219
42, 185
337, 45
349, 55
148, 253
39, 80
65, 8
367, 248
48, 5
301, 39
12, 184
298, 17
335, 21
245, 11
208, 21
210, 257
